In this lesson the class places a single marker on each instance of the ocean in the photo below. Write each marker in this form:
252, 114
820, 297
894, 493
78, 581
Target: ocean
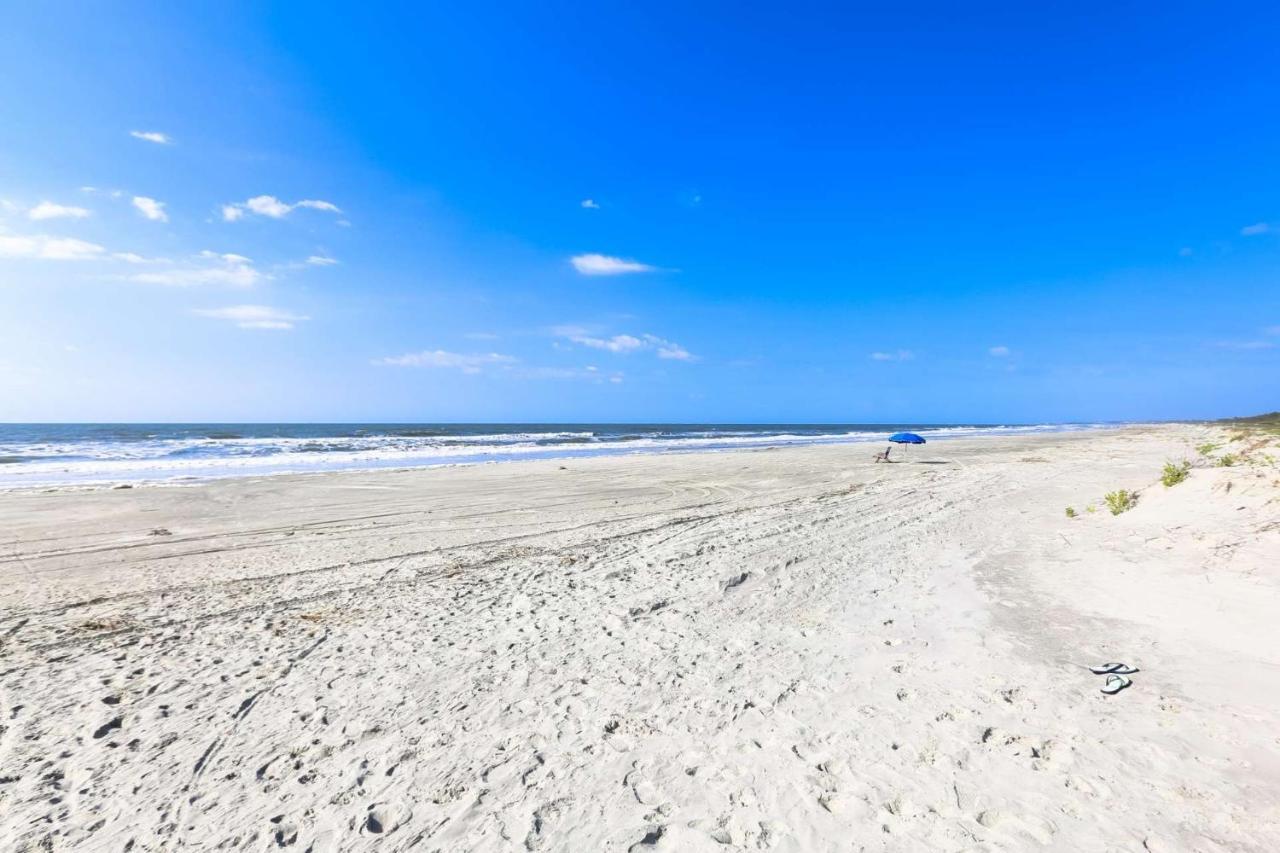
65, 454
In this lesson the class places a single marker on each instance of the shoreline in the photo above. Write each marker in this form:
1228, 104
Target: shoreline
132, 473
793, 649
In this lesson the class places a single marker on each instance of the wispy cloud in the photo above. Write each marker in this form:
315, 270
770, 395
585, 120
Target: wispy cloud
47, 248
206, 268
321, 261
1256, 229
152, 136
272, 207
135, 258
255, 316
998, 352
50, 210
590, 373
589, 204
467, 363
669, 350
896, 355
593, 264
505, 365
617, 343
1254, 343
1244, 345
150, 208
625, 343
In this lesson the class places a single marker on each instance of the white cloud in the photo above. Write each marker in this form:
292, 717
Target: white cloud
135, 258
617, 343
593, 264
590, 373
999, 352
316, 204
152, 136
477, 363
590, 204
897, 355
467, 363
150, 208
255, 316
206, 268
625, 343
50, 210
321, 261
272, 207
99, 190
268, 205
1255, 229
47, 248
669, 350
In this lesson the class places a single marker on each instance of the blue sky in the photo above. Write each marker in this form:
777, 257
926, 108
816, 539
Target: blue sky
717, 212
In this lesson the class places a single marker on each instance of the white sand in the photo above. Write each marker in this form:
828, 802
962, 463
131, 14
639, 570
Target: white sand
793, 650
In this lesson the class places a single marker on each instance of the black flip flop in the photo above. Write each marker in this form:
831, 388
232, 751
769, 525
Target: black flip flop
1113, 669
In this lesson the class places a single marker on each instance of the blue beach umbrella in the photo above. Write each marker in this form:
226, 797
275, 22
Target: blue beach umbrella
900, 438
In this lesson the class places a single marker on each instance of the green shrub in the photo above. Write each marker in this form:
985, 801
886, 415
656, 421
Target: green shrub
1091, 508
1120, 501
1071, 512
1206, 449
1175, 473
1227, 460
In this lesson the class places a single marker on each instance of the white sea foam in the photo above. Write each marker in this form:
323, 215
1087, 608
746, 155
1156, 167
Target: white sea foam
145, 457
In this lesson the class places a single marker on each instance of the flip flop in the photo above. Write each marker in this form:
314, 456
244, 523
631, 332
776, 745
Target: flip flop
1113, 669
1115, 683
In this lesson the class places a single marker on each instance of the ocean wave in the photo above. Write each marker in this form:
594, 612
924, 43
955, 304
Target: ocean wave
103, 454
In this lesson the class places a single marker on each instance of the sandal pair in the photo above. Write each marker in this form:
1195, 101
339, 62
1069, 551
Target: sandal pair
1117, 676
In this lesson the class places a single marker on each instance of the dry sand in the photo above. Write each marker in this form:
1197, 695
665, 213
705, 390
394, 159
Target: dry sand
792, 650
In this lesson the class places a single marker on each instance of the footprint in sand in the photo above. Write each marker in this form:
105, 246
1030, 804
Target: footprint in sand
645, 792
383, 818
1037, 828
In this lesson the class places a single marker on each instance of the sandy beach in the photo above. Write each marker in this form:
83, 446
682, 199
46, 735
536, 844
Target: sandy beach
791, 649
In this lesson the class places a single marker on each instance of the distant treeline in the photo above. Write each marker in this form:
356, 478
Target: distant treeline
1269, 418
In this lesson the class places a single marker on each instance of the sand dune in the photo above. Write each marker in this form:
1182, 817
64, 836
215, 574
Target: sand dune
791, 650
